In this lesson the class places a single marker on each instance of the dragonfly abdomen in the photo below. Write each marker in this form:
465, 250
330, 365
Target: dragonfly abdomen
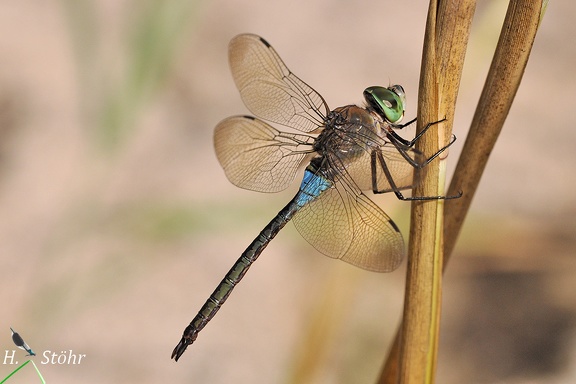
234, 275
313, 184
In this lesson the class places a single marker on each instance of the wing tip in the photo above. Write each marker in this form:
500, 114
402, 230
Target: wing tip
393, 225
263, 41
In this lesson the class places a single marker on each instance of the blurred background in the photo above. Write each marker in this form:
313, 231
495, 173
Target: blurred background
116, 221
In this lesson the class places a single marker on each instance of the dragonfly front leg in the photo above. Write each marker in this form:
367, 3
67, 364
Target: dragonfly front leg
410, 143
403, 145
377, 157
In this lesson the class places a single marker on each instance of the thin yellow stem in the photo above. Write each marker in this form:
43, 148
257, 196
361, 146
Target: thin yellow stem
512, 53
414, 355
510, 59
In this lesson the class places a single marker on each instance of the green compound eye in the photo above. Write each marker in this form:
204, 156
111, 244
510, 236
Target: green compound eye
389, 102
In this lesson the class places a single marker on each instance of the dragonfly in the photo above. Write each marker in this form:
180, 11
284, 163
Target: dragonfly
348, 150
20, 343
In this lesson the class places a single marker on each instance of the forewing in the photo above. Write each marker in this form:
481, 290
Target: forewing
256, 156
269, 89
344, 224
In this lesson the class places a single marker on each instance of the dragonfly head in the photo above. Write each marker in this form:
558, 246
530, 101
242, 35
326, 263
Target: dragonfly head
388, 102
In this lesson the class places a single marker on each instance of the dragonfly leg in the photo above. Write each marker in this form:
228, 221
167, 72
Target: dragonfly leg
378, 157
419, 165
403, 145
411, 143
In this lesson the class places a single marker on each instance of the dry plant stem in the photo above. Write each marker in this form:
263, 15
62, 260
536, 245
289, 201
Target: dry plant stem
507, 68
423, 283
412, 358
514, 46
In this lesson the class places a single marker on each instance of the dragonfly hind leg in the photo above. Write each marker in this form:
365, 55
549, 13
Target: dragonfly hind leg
378, 157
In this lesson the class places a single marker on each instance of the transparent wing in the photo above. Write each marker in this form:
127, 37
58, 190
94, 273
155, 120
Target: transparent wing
256, 156
268, 88
344, 224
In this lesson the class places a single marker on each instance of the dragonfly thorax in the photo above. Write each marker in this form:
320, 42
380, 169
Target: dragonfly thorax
349, 130
350, 135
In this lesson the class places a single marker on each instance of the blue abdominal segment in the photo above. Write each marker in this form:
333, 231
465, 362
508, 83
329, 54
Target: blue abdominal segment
312, 186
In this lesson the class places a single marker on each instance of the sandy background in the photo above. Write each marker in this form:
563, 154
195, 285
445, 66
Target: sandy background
116, 221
